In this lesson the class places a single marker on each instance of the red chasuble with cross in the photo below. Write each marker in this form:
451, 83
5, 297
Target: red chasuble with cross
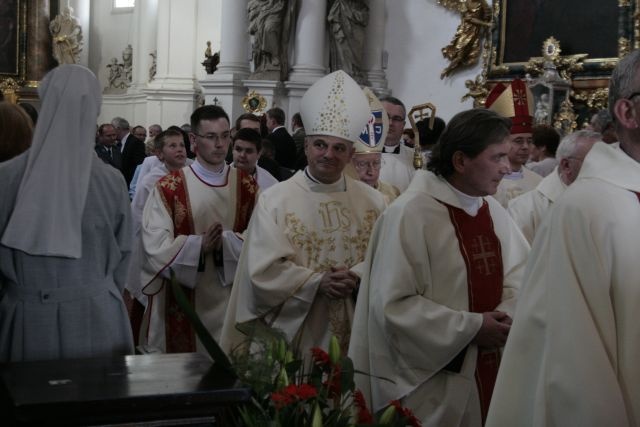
482, 254
179, 334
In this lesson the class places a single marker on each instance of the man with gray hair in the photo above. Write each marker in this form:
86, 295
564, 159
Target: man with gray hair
573, 350
529, 209
132, 148
602, 122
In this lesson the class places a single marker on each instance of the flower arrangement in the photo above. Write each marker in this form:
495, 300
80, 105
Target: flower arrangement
318, 392
288, 393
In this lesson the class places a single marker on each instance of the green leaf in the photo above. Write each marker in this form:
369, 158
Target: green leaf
346, 375
219, 357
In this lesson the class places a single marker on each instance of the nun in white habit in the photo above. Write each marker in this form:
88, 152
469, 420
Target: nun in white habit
65, 234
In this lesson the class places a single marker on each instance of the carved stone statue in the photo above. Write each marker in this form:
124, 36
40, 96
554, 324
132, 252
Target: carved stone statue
152, 69
66, 35
542, 109
211, 60
347, 21
270, 23
127, 58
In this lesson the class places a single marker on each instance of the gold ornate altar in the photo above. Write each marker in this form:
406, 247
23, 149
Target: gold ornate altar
24, 27
486, 32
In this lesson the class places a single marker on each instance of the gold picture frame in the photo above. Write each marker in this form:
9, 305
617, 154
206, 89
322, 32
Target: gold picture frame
521, 27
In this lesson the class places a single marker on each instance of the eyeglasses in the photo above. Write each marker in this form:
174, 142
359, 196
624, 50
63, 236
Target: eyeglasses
633, 95
374, 165
214, 137
397, 119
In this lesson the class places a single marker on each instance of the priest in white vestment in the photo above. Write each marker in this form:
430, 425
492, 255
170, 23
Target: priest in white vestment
442, 272
572, 355
515, 101
298, 268
397, 159
190, 224
529, 209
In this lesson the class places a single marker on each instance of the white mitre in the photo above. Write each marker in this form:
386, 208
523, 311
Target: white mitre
335, 106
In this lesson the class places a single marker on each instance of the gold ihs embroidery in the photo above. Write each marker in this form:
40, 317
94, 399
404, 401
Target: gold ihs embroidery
334, 216
320, 249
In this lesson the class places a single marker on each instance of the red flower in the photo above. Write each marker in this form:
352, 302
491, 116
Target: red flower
407, 414
280, 400
364, 416
306, 391
320, 357
293, 393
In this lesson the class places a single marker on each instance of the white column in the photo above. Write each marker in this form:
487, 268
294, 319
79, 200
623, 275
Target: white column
171, 95
225, 85
373, 48
309, 48
144, 42
82, 12
308, 52
234, 41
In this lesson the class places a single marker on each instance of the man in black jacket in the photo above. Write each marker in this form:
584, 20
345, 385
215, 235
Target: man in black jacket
284, 144
132, 148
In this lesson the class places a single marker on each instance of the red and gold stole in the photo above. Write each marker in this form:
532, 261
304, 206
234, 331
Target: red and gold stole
482, 254
179, 334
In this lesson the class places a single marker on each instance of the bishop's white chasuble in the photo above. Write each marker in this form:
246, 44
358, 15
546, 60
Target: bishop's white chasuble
300, 230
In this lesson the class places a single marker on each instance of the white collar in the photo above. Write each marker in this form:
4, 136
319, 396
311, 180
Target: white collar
211, 178
320, 187
470, 204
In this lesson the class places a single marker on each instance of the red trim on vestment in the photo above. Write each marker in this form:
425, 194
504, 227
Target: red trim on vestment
482, 254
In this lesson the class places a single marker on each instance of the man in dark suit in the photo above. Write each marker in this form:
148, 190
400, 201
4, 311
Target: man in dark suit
132, 148
284, 144
106, 146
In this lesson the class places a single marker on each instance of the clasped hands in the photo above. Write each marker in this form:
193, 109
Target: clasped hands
338, 283
212, 238
494, 330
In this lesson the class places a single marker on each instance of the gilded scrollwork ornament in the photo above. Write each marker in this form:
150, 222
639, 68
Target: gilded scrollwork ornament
466, 46
565, 118
597, 99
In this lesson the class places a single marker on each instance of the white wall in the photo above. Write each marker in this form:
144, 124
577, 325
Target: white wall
110, 33
416, 31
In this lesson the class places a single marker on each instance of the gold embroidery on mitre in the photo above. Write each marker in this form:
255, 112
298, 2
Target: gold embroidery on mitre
334, 118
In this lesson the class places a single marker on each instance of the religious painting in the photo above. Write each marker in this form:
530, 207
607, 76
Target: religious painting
599, 28
10, 37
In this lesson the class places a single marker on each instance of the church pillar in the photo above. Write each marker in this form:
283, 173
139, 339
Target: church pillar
171, 95
225, 85
144, 42
373, 48
308, 51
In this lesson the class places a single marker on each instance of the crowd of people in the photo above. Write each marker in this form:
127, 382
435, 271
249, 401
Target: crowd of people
495, 287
